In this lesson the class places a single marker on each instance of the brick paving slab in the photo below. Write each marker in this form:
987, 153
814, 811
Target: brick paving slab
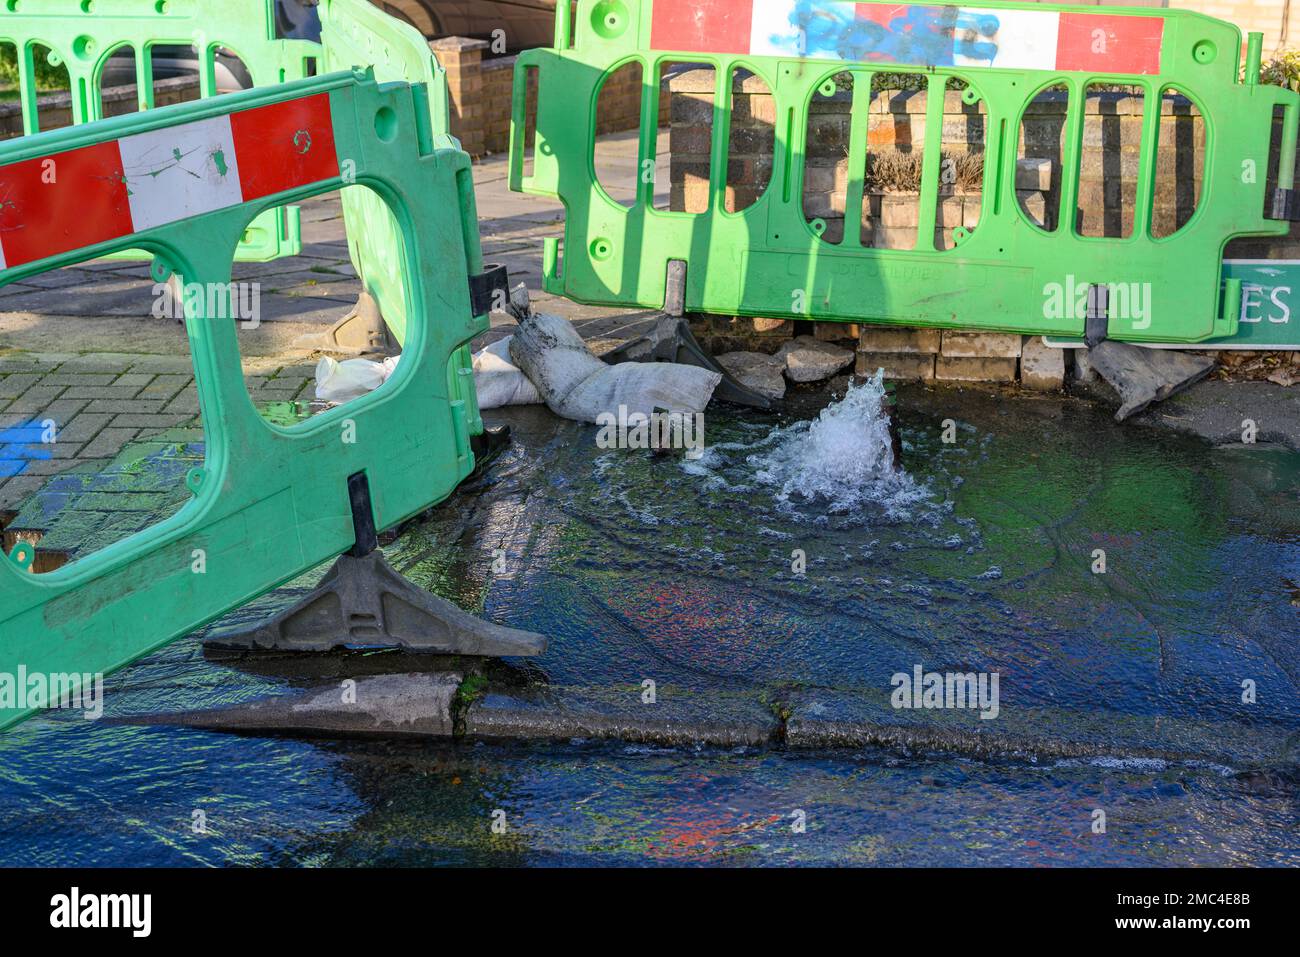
147, 406
62, 409
14, 491
109, 442
79, 378
134, 378
34, 399
84, 427
15, 384
156, 420
118, 362
165, 387
187, 402
102, 392
174, 365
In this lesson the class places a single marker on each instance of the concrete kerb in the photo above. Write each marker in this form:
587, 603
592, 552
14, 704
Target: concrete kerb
450, 707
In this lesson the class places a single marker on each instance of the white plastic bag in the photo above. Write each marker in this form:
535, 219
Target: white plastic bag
498, 381
340, 382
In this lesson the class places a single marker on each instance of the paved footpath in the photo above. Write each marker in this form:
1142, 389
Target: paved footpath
82, 350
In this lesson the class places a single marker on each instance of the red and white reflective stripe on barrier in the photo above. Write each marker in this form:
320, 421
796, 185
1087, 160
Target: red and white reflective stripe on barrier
911, 34
66, 201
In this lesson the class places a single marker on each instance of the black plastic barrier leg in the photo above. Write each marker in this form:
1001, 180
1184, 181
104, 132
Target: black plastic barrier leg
363, 602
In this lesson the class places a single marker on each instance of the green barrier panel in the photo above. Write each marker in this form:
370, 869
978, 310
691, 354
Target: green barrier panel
354, 33
771, 260
270, 502
82, 35
1270, 308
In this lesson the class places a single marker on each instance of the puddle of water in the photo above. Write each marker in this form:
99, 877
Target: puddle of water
975, 555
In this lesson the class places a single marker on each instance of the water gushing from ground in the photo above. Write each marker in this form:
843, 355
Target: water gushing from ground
843, 459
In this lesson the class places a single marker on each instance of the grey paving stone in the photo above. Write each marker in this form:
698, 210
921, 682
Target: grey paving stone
84, 427
65, 450
108, 442
165, 386
155, 421
100, 362
14, 491
15, 384
103, 392
35, 399
186, 402
174, 365
63, 409
50, 466
146, 406
138, 379
85, 379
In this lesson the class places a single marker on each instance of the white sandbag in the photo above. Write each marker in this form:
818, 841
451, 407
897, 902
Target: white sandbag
577, 385
499, 381
340, 382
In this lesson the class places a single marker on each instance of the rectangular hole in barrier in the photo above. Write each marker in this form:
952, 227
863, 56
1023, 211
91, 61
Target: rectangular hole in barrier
175, 73
1180, 163
1109, 160
53, 90
118, 88
97, 432
12, 122
826, 157
532, 92
1038, 156
895, 154
349, 347
616, 146
961, 169
751, 140
230, 73
684, 159
1274, 157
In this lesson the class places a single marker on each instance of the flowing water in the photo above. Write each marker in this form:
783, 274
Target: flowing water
976, 554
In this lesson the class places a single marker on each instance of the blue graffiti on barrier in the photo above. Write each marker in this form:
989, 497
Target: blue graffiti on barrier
920, 36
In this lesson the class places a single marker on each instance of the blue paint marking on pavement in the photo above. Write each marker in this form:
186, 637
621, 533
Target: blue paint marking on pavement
20, 445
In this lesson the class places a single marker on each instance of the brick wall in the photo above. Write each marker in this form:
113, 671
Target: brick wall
480, 93
1268, 17
54, 110
1107, 178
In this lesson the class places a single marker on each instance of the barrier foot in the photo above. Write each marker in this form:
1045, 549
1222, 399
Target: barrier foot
364, 603
360, 332
494, 440
671, 341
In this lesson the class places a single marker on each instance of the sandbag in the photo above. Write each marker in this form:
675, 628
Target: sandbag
498, 381
577, 385
339, 382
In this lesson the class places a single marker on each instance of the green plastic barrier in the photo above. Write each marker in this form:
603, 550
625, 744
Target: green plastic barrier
1270, 308
354, 33
771, 260
82, 35
270, 502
